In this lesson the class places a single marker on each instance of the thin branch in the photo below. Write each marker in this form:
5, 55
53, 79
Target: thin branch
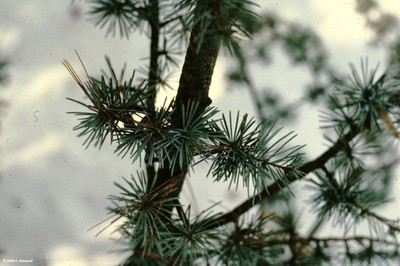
354, 238
276, 187
380, 218
153, 75
152, 256
298, 242
166, 22
305, 241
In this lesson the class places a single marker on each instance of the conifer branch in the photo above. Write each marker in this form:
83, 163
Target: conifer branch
184, 132
386, 221
276, 187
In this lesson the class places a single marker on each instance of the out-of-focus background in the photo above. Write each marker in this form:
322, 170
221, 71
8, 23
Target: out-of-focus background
52, 190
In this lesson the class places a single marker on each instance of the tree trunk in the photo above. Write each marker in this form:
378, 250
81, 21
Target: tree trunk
194, 86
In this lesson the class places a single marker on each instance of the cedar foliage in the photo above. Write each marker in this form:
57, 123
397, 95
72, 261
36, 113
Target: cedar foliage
347, 184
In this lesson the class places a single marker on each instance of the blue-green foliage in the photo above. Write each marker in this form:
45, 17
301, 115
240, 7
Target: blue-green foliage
348, 182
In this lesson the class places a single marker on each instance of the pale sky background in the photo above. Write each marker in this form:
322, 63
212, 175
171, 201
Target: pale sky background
52, 190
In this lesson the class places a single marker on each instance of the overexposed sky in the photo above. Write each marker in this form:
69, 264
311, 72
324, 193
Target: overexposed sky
52, 190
